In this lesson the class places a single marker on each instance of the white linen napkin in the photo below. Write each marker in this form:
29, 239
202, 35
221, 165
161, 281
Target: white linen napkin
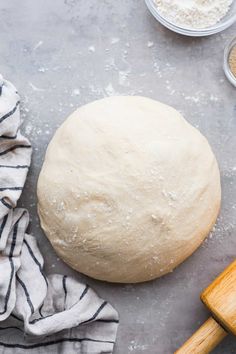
43, 314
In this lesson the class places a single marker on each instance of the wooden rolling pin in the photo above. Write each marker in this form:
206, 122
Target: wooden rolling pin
220, 298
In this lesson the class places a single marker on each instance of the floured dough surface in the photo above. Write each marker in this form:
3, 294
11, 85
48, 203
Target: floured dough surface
128, 189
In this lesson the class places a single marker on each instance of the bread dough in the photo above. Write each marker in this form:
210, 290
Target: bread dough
128, 189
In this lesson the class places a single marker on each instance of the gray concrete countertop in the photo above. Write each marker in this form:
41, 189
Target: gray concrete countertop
64, 53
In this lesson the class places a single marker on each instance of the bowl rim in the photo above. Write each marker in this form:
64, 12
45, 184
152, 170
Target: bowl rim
187, 31
228, 73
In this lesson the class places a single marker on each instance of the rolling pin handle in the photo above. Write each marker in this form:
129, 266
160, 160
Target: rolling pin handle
205, 339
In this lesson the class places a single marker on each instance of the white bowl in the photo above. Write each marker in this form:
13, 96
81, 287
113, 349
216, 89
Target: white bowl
224, 23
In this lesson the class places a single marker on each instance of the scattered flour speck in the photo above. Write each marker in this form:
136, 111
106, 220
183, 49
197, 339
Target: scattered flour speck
28, 129
42, 69
115, 40
123, 78
110, 90
91, 49
35, 88
214, 98
192, 98
75, 92
37, 45
150, 44
136, 346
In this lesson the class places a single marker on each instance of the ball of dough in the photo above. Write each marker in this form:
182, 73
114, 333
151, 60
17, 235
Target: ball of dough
128, 189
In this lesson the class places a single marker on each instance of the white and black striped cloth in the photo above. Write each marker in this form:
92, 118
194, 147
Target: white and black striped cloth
40, 314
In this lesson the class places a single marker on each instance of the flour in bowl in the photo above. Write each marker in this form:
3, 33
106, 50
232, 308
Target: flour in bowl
193, 13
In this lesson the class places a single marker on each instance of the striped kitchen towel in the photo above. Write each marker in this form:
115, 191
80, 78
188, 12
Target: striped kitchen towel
38, 313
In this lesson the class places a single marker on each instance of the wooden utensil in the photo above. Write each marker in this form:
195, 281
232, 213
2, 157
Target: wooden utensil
220, 298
